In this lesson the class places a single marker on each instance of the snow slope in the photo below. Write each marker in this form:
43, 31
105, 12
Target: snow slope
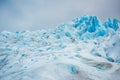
81, 49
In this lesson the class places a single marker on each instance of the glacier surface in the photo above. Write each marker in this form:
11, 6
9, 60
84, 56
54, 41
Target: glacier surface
82, 49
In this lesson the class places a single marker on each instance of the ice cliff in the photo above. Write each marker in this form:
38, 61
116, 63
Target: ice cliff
81, 49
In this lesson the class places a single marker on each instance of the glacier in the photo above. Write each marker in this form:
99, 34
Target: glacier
81, 49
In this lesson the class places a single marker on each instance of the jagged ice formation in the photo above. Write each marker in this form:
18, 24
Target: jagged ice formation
81, 49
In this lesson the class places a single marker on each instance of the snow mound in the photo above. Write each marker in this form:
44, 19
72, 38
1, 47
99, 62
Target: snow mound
81, 49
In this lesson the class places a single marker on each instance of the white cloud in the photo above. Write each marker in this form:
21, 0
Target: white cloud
38, 14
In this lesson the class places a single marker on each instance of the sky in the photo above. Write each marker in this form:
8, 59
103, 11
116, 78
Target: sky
18, 15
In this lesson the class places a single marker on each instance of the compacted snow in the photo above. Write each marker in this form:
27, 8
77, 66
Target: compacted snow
81, 49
